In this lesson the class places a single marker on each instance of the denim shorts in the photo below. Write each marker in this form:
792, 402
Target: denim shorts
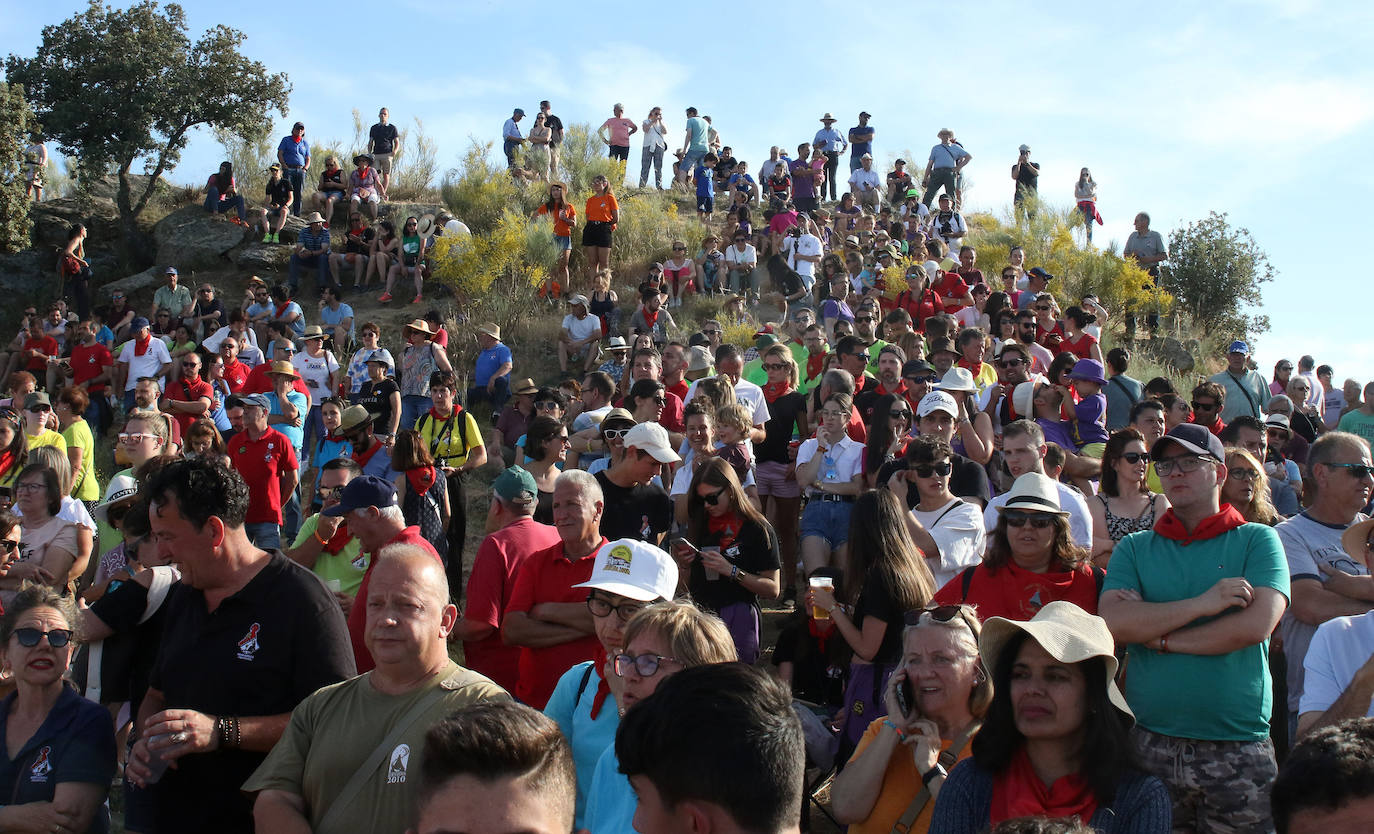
563, 242
827, 520
689, 162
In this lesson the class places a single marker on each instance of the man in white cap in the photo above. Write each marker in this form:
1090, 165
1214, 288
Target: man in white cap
636, 507
577, 334
866, 184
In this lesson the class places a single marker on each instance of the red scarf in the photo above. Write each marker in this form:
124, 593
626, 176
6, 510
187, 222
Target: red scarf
6, 461
815, 364
362, 457
974, 367
1018, 792
602, 687
281, 311
338, 541
650, 318
420, 479
724, 528
900, 389
773, 390
1170, 527
821, 633
141, 345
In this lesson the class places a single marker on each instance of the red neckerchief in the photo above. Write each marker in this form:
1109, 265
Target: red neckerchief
974, 367
773, 390
650, 318
141, 345
281, 311
6, 461
361, 458
602, 687
724, 528
900, 389
819, 632
440, 418
1170, 527
1018, 792
364, 172
815, 364
420, 479
334, 438
1216, 426
338, 541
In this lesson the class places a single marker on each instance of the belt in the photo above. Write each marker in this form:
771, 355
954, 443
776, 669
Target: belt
832, 497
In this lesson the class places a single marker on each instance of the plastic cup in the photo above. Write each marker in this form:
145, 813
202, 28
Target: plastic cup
818, 613
335, 585
157, 765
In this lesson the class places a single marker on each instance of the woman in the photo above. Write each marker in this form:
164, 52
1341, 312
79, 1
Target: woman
1304, 420
946, 691
70, 509
386, 249
887, 577
1058, 371
182, 345
319, 370
603, 213
222, 193
538, 158
604, 304
830, 469
287, 310
681, 272
328, 446
1085, 195
333, 189
1004, 330
660, 640
846, 213
1176, 410
204, 440
76, 269
646, 401
548, 402
832, 267
606, 440
411, 262
420, 359
76, 433
421, 489
948, 530
730, 554
1077, 340
546, 449
835, 310
564, 221
1283, 372
381, 396
974, 426
1030, 560
1056, 740
775, 459
371, 335
1247, 489
887, 438
49, 545
1124, 502
60, 748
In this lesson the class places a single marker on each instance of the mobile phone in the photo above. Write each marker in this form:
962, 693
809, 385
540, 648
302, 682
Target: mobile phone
696, 550
906, 699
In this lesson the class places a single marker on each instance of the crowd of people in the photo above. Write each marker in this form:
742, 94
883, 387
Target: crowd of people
1020, 590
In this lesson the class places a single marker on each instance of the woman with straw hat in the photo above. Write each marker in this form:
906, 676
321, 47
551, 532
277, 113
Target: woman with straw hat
420, 359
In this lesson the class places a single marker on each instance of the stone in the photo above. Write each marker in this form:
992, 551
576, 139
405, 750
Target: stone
261, 257
149, 279
191, 238
53, 219
398, 212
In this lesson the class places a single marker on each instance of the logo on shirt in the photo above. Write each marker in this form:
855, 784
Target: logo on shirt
248, 646
400, 762
42, 766
618, 559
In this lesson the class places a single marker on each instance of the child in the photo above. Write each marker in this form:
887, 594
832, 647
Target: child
741, 183
733, 424
706, 189
1089, 416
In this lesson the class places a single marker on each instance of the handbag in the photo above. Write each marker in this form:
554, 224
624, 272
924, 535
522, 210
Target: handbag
71, 265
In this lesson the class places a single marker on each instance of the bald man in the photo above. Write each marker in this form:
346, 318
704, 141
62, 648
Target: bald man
344, 762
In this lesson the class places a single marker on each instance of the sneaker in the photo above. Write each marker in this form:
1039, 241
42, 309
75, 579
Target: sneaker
267, 238
384, 298
417, 299
276, 237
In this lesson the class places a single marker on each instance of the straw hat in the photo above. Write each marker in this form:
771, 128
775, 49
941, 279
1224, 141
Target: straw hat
420, 325
1033, 492
283, 368
425, 225
1355, 542
958, 379
492, 330
524, 386
353, 417
314, 217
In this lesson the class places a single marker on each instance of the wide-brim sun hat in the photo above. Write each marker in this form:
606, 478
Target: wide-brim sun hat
424, 227
1355, 542
353, 417
1033, 492
958, 379
421, 325
120, 489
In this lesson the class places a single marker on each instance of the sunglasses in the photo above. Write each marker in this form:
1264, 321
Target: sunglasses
928, 380
1356, 470
863, 318
11, 546
900, 414
544, 405
328, 492
775, 366
614, 434
710, 332
1201, 406
938, 613
713, 498
645, 665
925, 470
1135, 457
601, 607
136, 437
1039, 521
29, 637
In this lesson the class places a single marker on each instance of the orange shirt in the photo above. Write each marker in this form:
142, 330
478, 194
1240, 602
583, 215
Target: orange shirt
600, 208
901, 783
561, 219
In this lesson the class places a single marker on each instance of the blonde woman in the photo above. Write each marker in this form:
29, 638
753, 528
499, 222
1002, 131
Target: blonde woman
1247, 489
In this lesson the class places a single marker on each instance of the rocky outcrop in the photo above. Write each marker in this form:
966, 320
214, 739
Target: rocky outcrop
263, 257
191, 238
149, 279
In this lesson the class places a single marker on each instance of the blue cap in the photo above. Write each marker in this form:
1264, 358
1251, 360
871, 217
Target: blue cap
258, 400
171, 270
138, 323
1039, 273
1239, 346
366, 491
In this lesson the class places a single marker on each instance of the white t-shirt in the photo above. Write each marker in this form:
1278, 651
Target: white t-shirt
457, 228
655, 136
846, 459
1080, 520
214, 340
1339, 648
805, 244
950, 229
864, 181
148, 364
1333, 403
315, 373
957, 529
585, 328
748, 256
682, 476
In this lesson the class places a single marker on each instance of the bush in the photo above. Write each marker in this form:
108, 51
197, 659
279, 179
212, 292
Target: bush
583, 158
480, 191
1214, 270
250, 155
16, 124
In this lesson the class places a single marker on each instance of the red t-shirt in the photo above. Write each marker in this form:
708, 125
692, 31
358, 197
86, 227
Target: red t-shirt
1017, 594
260, 383
681, 389
183, 391
357, 615
949, 287
88, 362
1042, 337
48, 345
1080, 347
548, 576
236, 374
490, 585
261, 462
920, 307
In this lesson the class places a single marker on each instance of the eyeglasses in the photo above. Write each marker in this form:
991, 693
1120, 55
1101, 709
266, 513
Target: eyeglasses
900, 414
1186, 464
1012, 363
29, 637
544, 405
30, 487
1039, 521
1243, 474
1356, 470
614, 434
712, 498
938, 613
601, 607
1135, 457
710, 332
660, 400
919, 380
828, 412
679, 248
136, 437
39, 409
1201, 406
925, 470
863, 318
645, 665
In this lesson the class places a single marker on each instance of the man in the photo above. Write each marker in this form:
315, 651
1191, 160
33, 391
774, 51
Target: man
635, 507
40, 352
90, 367
251, 634
866, 184
496, 768
832, 143
1246, 391
189, 398
949, 225
716, 748
644, 364
491, 372
802, 250
860, 141
324, 774
942, 354
555, 126
207, 314
694, 147
899, 182
1251, 435
968, 258
854, 358
369, 451
453, 439
1338, 672
1147, 417
1195, 601
595, 399
547, 617
888, 381
1026, 175
675, 370
1023, 450
1307, 369
172, 297
1209, 400
383, 143
336, 316
311, 250
1326, 582
267, 460
945, 164
578, 334
1326, 785
235, 372
740, 262
616, 131
1332, 395
287, 407
805, 171
142, 357
1361, 420
515, 535
283, 349
325, 545
368, 505
511, 140
1145, 247
651, 318
1122, 391
293, 154
949, 286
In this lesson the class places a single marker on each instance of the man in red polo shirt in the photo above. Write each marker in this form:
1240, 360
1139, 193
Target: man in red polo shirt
267, 462
90, 367
189, 398
235, 372
547, 616
37, 348
368, 504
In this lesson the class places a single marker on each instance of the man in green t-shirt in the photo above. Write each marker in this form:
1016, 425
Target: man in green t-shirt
349, 758
1361, 420
1194, 600
324, 544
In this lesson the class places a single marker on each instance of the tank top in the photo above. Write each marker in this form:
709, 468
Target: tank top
1119, 527
417, 364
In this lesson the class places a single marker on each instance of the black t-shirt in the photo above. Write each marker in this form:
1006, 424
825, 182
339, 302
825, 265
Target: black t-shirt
376, 398
1028, 175
642, 512
752, 548
383, 137
782, 422
128, 655
967, 480
278, 193
204, 309
876, 600
359, 243
555, 126
818, 674
261, 652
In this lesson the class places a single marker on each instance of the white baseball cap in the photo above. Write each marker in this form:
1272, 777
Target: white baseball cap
937, 401
633, 569
652, 438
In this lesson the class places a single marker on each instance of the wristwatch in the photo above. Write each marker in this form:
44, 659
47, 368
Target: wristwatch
935, 772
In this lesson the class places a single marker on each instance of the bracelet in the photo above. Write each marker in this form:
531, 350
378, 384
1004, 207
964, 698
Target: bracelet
901, 734
323, 541
1164, 644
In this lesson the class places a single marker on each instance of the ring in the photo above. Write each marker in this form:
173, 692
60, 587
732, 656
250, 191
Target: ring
178, 737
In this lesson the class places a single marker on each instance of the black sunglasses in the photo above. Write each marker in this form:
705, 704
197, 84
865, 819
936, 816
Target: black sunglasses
11, 546
929, 380
29, 637
1135, 457
925, 470
1197, 406
1039, 521
900, 413
713, 498
938, 613
1356, 470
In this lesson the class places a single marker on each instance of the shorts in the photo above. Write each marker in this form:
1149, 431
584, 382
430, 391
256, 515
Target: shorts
689, 161
382, 162
827, 520
706, 203
331, 196
563, 242
1214, 785
771, 479
597, 233
806, 203
1093, 450
373, 198
621, 152
352, 257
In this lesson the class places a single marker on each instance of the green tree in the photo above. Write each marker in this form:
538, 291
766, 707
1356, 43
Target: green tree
1214, 272
16, 123
116, 87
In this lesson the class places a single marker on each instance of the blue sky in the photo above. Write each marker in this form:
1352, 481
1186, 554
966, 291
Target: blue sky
1259, 109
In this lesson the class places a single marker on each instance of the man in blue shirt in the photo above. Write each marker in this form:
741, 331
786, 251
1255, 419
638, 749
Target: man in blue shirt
312, 250
511, 140
694, 146
293, 153
287, 410
336, 315
491, 374
860, 141
832, 143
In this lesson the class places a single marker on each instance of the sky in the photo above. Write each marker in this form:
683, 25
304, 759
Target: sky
1258, 109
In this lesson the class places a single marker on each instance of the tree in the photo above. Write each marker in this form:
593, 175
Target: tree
16, 123
1214, 272
115, 87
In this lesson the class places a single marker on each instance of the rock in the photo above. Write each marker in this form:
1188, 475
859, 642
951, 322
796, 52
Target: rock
263, 257
22, 274
191, 238
292, 229
149, 279
398, 212
53, 219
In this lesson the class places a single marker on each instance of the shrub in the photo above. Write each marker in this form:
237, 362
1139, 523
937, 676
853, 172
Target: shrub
250, 156
16, 124
479, 192
1214, 270
583, 158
